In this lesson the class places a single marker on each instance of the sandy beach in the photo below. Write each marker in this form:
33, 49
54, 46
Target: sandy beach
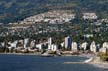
99, 63
92, 60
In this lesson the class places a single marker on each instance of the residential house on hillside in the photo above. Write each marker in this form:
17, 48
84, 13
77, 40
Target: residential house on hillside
91, 16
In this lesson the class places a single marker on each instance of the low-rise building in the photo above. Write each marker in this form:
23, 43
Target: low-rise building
74, 47
84, 46
89, 16
26, 41
105, 45
103, 50
93, 47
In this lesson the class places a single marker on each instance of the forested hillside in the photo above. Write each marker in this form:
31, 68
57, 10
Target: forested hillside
16, 10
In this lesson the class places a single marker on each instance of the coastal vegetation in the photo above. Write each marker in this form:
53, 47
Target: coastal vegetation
103, 56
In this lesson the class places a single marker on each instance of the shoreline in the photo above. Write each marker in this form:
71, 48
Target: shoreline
99, 63
39, 54
95, 61
20, 53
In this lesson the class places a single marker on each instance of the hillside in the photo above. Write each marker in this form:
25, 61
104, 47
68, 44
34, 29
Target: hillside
16, 10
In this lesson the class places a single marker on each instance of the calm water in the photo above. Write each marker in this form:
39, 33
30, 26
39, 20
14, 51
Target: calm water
38, 63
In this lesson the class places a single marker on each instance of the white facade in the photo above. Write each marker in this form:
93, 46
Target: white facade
105, 45
32, 44
62, 44
103, 50
14, 44
89, 16
84, 45
66, 42
39, 46
74, 46
3, 44
93, 47
26, 42
49, 43
53, 47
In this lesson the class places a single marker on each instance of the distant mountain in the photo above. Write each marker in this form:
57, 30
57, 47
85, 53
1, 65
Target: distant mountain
16, 10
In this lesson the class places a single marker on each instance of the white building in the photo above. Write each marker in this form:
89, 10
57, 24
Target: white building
105, 45
50, 43
84, 45
88, 35
74, 47
14, 44
68, 42
93, 47
20, 44
3, 44
89, 16
53, 47
39, 46
32, 44
103, 50
26, 42
62, 44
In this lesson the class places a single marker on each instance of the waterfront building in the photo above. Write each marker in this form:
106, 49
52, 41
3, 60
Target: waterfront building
103, 50
50, 42
3, 44
32, 44
84, 46
93, 47
20, 44
105, 45
74, 47
14, 44
54, 47
62, 44
68, 42
26, 41
39, 46
51, 46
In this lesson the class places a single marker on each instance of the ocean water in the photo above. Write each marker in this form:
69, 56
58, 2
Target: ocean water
38, 63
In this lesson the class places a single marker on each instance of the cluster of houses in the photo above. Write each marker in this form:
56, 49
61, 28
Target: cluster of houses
27, 45
56, 16
89, 16
51, 17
